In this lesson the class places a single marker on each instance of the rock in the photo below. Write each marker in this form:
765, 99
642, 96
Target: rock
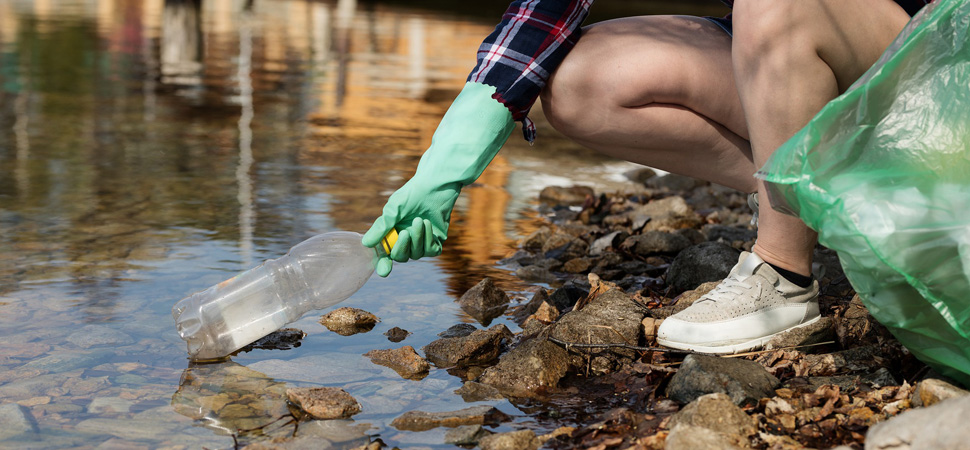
943, 425
535, 240
529, 370
639, 175
397, 334
60, 362
563, 247
567, 295
16, 422
546, 313
823, 330
850, 360
565, 196
745, 382
458, 330
423, 421
99, 336
323, 403
610, 318
653, 242
708, 261
695, 237
465, 435
577, 265
667, 214
405, 361
688, 437
523, 312
599, 246
283, 339
109, 405
715, 412
473, 391
484, 302
536, 274
728, 234
346, 321
479, 347
931, 391
513, 440
674, 182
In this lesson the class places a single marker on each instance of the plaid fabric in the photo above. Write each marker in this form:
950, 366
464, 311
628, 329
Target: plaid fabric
533, 37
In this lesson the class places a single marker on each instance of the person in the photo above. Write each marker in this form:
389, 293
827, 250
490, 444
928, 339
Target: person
705, 97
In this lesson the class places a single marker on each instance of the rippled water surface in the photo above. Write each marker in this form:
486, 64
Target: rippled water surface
149, 149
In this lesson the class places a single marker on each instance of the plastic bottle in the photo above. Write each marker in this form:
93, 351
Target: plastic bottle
315, 274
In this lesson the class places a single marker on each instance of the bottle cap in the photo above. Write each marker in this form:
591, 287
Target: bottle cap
387, 243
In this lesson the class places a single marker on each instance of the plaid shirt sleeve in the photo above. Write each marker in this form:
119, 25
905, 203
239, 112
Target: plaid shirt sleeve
518, 57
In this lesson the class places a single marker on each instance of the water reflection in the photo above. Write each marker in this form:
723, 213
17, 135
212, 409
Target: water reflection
181, 55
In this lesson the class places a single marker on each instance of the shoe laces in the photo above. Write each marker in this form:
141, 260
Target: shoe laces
727, 290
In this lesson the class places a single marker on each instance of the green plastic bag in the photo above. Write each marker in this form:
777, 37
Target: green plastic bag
883, 174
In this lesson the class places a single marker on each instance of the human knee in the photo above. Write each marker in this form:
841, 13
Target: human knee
575, 88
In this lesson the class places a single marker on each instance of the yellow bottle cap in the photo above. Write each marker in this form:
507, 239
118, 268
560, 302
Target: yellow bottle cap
388, 242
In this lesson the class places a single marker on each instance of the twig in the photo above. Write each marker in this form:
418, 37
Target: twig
758, 352
624, 346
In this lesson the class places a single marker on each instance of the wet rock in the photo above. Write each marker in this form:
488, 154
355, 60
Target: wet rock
667, 214
484, 302
708, 261
520, 258
473, 391
128, 428
59, 362
563, 247
566, 196
688, 437
109, 405
397, 334
513, 440
523, 312
653, 242
283, 339
577, 265
99, 336
528, 370
323, 403
405, 361
640, 175
535, 274
728, 234
535, 240
465, 435
610, 318
611, 240
423, 421
546, 313
942, 425
458, 330
479, 347
674, 182
745, 382
715, 412
16, 422
347, 321
931, 391
567, 295
823, 330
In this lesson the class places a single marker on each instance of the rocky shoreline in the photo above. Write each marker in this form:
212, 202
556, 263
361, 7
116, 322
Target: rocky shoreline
586, 361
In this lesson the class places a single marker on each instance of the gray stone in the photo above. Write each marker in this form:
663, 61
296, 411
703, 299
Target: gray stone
475, 415
458, 330
610, 318
666, 214
109, 405
687, 437
823, 330
931, 391
695, 237
606, 242
513, 440
654, 242
473, 391
405, 361
66, 361
523, 312
535, 274
99, 336
465, 435
941, 426
485, 301
566, 196
324, 403
715, 412
708, 261
347, 321
745, 382
529, 370
567, 295
479, 347
16, 422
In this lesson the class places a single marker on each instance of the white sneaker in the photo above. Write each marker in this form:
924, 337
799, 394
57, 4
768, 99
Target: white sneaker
752, 305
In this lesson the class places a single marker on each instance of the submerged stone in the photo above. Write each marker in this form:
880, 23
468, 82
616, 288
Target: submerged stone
475, 415
405, 361
16, 422
324, 403
283, 339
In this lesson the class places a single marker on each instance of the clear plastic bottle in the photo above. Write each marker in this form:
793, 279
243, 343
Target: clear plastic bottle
315, 274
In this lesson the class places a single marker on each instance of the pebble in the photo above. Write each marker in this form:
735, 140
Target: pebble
513, 440
99, 336
347, 321
485, 301
405, 361
324, 403
475, 415
397, 334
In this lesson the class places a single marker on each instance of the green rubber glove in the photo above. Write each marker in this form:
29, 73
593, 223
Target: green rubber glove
468, 137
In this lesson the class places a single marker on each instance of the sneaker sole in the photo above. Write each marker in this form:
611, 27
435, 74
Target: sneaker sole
731, 349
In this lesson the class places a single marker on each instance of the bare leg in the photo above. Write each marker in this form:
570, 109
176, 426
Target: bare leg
656, 90
790, 59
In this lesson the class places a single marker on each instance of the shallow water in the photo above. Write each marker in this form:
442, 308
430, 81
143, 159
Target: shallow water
150, 149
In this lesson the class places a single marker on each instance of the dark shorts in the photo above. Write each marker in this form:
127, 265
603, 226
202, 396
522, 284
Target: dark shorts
724, 23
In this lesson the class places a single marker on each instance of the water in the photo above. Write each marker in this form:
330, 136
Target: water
150, 149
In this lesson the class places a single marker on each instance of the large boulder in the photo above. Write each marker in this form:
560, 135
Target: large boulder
707, 261
479, 347
529, 370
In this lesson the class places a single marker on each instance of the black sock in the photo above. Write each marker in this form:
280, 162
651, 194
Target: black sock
798, 280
